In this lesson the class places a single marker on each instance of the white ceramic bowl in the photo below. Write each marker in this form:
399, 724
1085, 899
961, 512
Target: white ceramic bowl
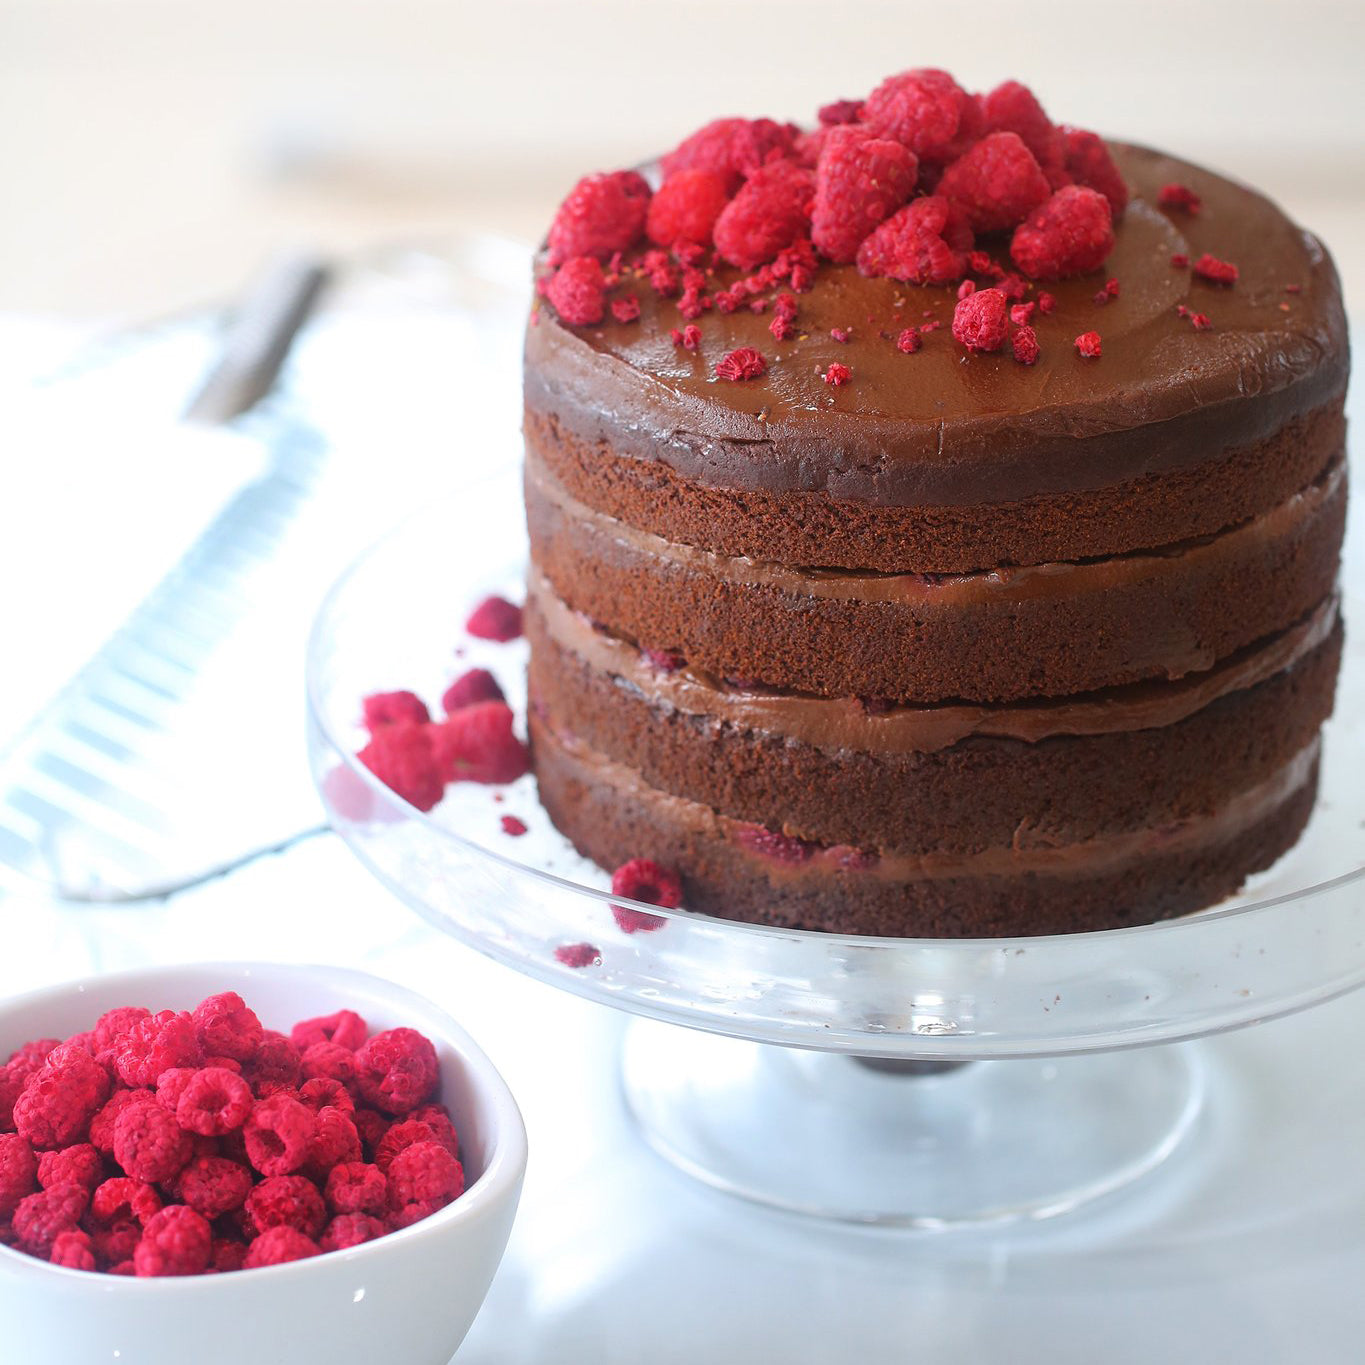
409, 1297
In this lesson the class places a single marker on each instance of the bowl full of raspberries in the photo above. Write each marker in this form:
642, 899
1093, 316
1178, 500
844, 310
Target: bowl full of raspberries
238, 1161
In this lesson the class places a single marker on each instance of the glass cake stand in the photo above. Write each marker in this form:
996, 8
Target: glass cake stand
915, 1082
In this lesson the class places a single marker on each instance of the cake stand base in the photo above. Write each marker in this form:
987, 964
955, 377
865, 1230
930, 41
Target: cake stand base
989, 1142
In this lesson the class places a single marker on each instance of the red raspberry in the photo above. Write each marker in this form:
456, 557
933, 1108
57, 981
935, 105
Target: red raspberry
769, 843
578, 292
1089, 163
214, 1102
1201, 322
603, 213
149, 1144
476, 744
213, 1185
113, 1024
18, 1172
733, 148
386, 708
981, 320
742, 363
24, 1061
156, 1044
170, 1085
578, 955
838, 375
1071, 233
397, 1071
345, 1028
11, 1085
495, 618
997, 183
686, 207
276, 1062
78, 1165
176, 1241
1024, 344
1088, 344
1179, 197
74, 1250
277, 1135
513, 826
1013, 108
1020, 313
1219, 272
860, 180
277, 1245
355, 1187
117, 1242
642, 879
425, 1171
626, 309
927, 110
401, 756
371, 1126
121, 1199
689, 338
322, 1091
1046, 303
330, 1061
285, 1201
410, 1132
840, 111
909, 341
227, 1255
60, 1098
38, 1218
415, 1213
334, 1142
770, 213
438, 1118
350, 1230
477, 685
925, 243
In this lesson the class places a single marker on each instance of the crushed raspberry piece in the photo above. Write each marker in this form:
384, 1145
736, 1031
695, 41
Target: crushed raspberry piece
626, 309
80, 1164
277, 1135
665, 660
513, 826
288, 1201
1089, 164
18, 1172
495, 618
924, 243
345, 1028
476, 685
686, 207
1179, 260
578, 292
476, 744
1088, 344
1293, 289
123, 1198
40, 1218
742, 363
602, 214
213, 1185
396, 1070
860, 180
226, 1027
329, 1060
350, 1230
1111, 287
578, 954
840, 334
1071, 233
966, 288
277, 1061
1013, 108
981, 320
1020, 313
402, 757
838, 375
386, 708
320, 1092
733, 148
1179, 197
689, 338
423, 1173
1099, 298
278, 1245
925, 109
770, 213
1219, 272
931, 326
642, 879
980, 263
909, 341
769, 843
74, 1250
1201, 322
215, 1102
997, 183
149, 1144
1024, 344
357, 1187
176, 1241
1046, 303
60, 1098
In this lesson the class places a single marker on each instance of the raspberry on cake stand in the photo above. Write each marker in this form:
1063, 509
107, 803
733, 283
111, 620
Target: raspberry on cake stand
915, 1082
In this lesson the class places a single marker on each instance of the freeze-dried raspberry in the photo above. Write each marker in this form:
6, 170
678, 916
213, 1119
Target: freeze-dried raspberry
424, 1171
981, 320
408, 1133
60, 1098
770, 843
686, 207
1089, 163
123, 1198
927, 110
642, 879
1088, 344
415, 1213
1201, 322
477, 685
689, 338
925, 243
345, 1028
742, 363
285, 1201
387, 708
18, 1172
350, 1230
277, 1135
334, 1141
38, 1218
513, 826
578, 955
1024, 344
1020, 313
476, 744
733, 148
1073, 232
837, 375
123, 1268
1179, 197
1219, 272
603, 213
860, 180
277, 1245
495, 618
117, 1242
1046, 303
909, 341
1013, 108
997, 183
578, 292
214, 1185
626, 309
176, 1241
770, 213
396, 1070
113, 1024
357, 1187
11, 1086
216, 1101
156, 1044
149, 1144
227, 1255
170, 1085
401, 756
80, 1164
329, 1060
276, 1061
25, 1060
74, 1250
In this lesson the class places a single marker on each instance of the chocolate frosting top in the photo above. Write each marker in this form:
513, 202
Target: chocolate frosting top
945, 427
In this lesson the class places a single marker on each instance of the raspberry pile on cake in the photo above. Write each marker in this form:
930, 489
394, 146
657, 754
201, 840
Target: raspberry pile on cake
935, 520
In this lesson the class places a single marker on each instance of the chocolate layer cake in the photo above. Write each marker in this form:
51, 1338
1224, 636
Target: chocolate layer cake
907, 634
